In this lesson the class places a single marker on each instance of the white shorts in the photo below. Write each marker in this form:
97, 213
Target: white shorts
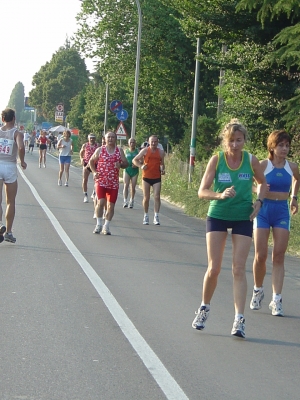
8, 172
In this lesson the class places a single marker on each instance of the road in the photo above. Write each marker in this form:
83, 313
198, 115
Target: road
88, 317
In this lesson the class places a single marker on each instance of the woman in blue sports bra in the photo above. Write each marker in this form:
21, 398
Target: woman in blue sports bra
282, 177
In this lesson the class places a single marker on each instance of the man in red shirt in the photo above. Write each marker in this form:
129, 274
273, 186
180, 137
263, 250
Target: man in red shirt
105, 164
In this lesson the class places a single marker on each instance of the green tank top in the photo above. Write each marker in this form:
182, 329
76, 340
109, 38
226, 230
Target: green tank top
131, 171
237, 208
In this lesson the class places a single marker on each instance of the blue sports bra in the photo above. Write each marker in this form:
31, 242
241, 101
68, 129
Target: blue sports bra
279, 179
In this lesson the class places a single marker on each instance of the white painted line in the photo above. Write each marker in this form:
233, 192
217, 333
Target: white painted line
156, 368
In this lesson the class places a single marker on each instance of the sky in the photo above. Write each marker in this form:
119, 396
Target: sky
31, 32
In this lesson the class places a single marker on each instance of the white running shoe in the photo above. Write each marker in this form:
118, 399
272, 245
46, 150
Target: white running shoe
97, 229
44, 165
276, 307
200, 319
146, 220
238, 328
131, 203
125, 204
59, 182
257, 298
105, 230
85, 199
156, 220
66, 184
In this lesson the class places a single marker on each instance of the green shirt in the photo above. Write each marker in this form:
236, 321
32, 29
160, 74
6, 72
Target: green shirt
131, 171
236, 208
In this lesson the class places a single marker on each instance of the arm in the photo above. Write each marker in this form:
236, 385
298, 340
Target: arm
162, 162
262, 187
205, 192
81, 153
295, 188
19, 138
93, 161
138, 160
124, 162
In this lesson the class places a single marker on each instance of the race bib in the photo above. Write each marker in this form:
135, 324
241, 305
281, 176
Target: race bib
6, 146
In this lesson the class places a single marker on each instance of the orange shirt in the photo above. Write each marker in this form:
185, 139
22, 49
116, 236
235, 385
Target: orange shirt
153, 164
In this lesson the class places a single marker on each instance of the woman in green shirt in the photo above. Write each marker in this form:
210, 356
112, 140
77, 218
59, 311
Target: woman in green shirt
227, 183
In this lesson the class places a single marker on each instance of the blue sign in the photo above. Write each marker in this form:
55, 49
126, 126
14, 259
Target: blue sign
116, 106
122, 115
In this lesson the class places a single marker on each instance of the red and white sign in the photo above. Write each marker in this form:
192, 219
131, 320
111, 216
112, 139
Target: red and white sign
60, 107
121, 131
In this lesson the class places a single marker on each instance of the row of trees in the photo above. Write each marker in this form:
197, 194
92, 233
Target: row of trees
261, 64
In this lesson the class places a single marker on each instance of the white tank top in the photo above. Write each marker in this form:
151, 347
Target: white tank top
65, 151
8, 146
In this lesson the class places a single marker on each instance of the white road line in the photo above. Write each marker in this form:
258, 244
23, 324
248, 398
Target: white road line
156, 368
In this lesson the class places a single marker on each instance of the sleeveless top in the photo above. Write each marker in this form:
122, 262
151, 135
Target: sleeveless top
131, 171
237, 208
279, 179
8, 146
66, 151
43, 140
153, 164
89, 151
108, 173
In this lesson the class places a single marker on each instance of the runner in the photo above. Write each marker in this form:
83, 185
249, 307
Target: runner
86, 152
26, 139
65, 147
11, 146
105, 164
31, 142
43, 141
151, 161
130, 175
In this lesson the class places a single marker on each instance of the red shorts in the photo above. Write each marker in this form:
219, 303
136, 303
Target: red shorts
110, 195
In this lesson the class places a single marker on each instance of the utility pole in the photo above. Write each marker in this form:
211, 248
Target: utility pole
137, 70
195, 113
221, 83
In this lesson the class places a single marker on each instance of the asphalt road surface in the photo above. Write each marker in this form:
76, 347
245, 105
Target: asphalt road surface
88, 317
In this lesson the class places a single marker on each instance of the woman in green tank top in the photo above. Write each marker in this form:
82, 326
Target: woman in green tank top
227, 183
130, 174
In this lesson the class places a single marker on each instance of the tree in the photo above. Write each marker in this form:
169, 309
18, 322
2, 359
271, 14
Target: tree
58, 81
16, 100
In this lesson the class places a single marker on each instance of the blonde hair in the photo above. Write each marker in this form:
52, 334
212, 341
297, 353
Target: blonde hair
229, 129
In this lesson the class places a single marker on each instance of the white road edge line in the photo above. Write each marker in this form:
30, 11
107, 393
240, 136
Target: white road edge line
156, 368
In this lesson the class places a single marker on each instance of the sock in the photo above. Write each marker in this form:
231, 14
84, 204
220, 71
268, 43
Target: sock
125, 200
99, 221
276, 297
85, 193
146, 215
205, 305
156, 214
258, 289
237, 317
107, 223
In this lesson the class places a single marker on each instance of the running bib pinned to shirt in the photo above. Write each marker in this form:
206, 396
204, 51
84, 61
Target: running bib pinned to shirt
6, 146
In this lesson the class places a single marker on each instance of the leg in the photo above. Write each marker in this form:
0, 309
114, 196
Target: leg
215, 248
280, 238
146, 197
110, 211
85, 178
261, 236
67, 169
44, 156
1, 209
133, 185
156, 195
11, 192
61, 170
241, 247
126, 180
40, 156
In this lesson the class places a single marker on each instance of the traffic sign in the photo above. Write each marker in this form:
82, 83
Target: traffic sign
60, 107
116, 106
122, 115
121, 131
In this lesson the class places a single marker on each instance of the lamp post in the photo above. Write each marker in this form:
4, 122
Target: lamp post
137, 70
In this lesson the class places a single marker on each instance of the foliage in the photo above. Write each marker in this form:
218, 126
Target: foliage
16, 100
58, 81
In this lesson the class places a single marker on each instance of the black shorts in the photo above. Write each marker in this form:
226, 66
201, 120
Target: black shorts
152, 181
43, 146
244, 228
88, 168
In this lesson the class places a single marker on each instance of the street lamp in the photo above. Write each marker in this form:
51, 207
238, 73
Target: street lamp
137, 70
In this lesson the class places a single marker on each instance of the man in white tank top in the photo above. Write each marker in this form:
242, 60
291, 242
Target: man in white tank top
11, 146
